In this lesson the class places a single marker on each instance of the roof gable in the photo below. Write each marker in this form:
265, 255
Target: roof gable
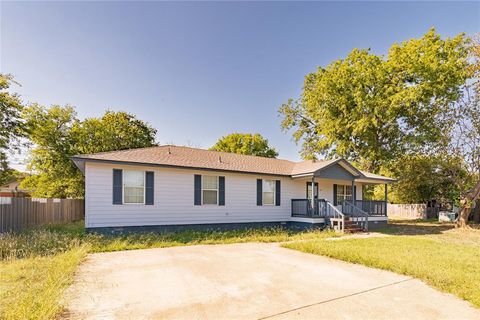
335, 171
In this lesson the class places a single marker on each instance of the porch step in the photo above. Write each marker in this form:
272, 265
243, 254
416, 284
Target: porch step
352, 227
353, 230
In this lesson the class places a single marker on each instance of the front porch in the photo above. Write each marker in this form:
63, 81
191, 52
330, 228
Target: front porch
334, 195
349, 216
306, 208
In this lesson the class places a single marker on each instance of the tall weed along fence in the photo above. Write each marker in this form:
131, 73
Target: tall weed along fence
19, 213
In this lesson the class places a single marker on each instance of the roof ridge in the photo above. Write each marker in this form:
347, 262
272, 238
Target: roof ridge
185, 147
114, 151
225, 152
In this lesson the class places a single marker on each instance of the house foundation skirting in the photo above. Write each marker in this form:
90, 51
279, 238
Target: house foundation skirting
295, 225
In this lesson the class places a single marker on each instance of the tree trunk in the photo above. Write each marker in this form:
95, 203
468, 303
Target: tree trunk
476, 212
467, 204
462, 221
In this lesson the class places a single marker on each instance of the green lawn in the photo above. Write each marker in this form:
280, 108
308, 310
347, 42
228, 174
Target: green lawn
37, 265
444, 257
32, 288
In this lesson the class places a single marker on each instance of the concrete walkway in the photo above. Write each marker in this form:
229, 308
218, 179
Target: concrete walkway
248, 281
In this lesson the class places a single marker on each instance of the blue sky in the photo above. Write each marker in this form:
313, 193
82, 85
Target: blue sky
198, 71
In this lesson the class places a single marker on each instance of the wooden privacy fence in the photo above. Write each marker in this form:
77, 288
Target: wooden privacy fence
19, 213
407, 211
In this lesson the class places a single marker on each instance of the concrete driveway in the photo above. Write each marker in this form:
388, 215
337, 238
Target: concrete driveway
248, 281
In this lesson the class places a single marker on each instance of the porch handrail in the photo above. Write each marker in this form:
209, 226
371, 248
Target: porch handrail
356, 213
321, 208
336, 216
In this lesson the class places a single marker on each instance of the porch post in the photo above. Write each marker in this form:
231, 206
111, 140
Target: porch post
354, 196
386, 198
313, 193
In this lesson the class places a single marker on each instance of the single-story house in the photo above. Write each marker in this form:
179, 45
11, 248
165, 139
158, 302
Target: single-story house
171, 187
11, 188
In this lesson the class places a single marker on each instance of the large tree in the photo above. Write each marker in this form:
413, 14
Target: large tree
422, 178
372, 109
10, 125
465, 135
57, 134
245, 143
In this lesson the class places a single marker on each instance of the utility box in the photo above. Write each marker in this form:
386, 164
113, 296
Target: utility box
447, 216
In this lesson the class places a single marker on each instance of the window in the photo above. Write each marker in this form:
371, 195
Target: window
209, 189
268, 190
133, 186
344, 193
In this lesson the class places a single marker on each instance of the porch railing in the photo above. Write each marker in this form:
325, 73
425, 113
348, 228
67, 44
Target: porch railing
321, 209
372, 207
303, 207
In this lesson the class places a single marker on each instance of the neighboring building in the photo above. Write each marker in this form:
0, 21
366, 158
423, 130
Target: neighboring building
12, 189
180, 186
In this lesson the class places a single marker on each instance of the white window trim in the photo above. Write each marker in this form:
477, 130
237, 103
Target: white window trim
144, 189
218, 191
344, 194
274, 193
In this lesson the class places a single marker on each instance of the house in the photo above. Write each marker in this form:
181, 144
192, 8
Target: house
170, 187
12, 188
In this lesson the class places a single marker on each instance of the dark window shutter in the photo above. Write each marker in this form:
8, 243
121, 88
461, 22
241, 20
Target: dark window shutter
221, 191
354, 196
259, 192
277, 193
334, 194
149, 182
198, 190
117, 186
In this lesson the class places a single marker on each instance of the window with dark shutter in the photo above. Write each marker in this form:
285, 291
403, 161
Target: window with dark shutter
277, 193
149, 182
259, 192
197, 190
334, 194
221, 191
117, 186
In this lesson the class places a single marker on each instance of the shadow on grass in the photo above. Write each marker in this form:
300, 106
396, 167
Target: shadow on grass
416, 227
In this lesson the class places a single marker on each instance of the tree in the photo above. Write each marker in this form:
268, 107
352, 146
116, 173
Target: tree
421, 178
57, 134
10, 124
372, 110
465, 135
245, 143
113, 131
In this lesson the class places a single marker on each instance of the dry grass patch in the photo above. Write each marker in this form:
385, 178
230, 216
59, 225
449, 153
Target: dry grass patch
32, 288
439, 231
446, 258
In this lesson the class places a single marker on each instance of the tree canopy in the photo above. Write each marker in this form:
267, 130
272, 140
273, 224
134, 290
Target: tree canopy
422, 178
372, 109
11, 125
465, 136
245, 143
57, 134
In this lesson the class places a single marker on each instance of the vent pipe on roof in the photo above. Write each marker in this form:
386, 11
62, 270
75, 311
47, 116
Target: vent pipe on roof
219, 159
169, 152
